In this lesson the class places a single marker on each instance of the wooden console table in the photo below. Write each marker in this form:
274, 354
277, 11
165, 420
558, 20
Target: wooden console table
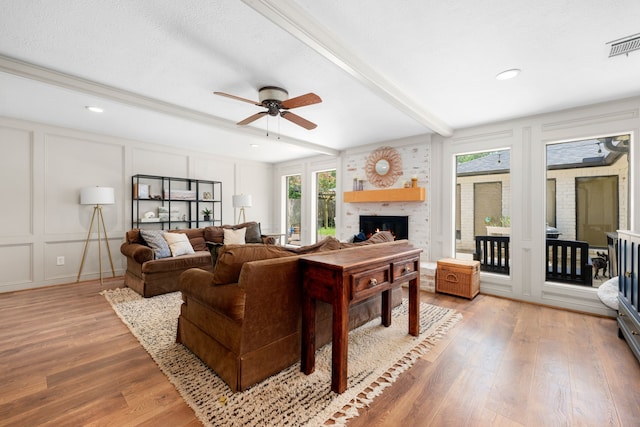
344, 277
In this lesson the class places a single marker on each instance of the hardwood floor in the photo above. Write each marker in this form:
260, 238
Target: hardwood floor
67, 360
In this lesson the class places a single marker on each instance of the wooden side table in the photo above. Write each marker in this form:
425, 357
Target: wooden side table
344, 277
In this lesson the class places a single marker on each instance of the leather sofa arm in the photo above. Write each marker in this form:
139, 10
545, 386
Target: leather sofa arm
227, 299
140, 253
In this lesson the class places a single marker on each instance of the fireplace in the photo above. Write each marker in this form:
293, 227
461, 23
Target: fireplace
397, 225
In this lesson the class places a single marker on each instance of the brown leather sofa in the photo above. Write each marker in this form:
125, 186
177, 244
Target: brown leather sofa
244, 319
149, 276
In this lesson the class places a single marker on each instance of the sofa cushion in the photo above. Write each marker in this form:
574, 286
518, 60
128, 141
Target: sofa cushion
232, 257
214, 234
329, 243
181, 263
379, 237
155, 240
234, 237
178, 244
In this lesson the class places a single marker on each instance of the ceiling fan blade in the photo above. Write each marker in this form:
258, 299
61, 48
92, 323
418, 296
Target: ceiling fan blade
238, 98
301, 101
250, 119
298, 120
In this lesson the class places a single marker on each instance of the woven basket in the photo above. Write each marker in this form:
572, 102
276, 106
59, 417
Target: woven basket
458, 277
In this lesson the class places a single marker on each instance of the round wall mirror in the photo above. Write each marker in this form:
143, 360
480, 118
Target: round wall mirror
384, 167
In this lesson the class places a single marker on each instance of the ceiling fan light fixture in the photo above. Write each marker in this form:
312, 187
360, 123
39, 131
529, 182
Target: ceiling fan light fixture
277, 102
273, 93
508, 74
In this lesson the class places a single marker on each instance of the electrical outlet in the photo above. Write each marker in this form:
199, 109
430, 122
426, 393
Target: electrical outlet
60, 260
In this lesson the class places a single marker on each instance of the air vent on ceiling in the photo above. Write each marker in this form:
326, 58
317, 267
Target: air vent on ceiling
625, 45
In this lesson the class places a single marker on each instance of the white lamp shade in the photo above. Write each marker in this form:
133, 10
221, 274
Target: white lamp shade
242, 201
97, 196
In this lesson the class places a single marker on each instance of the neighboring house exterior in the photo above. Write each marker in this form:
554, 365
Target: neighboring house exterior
586, 197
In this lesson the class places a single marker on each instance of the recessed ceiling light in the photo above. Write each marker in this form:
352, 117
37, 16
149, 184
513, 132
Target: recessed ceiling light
508, 74
94, 109
254, 145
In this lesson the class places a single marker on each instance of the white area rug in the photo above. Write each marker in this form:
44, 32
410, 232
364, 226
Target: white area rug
377, 356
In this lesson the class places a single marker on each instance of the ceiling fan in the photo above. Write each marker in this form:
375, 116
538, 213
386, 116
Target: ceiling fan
276, 101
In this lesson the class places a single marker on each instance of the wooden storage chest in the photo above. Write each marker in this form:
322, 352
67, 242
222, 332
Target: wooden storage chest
458, 277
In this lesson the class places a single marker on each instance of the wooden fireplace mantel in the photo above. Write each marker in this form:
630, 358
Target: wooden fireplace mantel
414, 194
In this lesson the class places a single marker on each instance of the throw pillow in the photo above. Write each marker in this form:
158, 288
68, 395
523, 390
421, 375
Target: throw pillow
232, 257
178, 244
155, 240
234, 237
253, 233
195, 236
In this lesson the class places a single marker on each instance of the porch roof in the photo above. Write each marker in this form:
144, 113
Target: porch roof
568, 155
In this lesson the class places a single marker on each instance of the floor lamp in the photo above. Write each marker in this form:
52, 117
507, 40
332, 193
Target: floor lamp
241, 201
97, 196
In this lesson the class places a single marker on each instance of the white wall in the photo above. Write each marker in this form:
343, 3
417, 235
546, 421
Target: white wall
43, 168
526, 137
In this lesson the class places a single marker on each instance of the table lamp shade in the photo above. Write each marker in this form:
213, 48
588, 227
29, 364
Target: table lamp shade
97, 196
241, 201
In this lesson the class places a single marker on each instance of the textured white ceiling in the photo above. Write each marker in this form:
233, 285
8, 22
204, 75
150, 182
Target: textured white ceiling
440, 57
